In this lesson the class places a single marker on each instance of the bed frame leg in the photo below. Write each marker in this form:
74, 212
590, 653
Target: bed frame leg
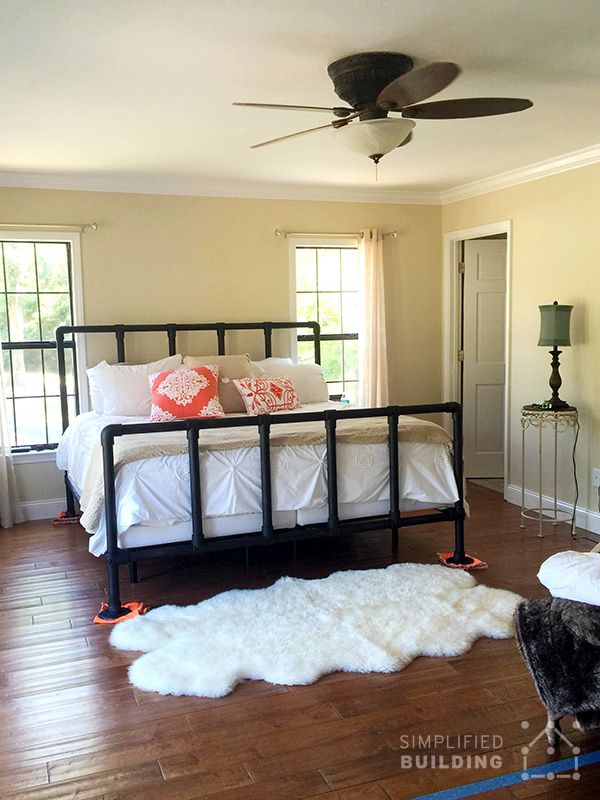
247, 558
70, 515
459, 556
133, 572
395, 541
115, 609
71, 512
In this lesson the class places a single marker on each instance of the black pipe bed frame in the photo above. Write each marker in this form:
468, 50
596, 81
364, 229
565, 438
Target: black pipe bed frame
394, 520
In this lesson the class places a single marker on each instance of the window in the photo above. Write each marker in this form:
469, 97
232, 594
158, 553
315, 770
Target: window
36, 296
327, 290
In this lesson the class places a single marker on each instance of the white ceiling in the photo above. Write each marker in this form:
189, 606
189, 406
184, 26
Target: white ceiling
139, 92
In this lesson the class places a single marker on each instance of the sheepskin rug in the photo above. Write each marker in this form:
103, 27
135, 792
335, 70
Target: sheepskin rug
296, 630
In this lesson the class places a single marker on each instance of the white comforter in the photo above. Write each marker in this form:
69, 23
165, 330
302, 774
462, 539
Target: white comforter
156, 492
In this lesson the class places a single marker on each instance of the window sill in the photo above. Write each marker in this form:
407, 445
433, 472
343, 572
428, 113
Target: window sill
34, 457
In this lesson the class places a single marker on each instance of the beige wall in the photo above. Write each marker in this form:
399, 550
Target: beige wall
174, 259
555, 256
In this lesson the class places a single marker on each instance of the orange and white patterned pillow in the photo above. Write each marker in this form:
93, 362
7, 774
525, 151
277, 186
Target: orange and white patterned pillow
263, 395
183, 393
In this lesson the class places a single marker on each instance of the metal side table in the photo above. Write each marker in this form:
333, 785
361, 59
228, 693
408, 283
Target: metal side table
561, 421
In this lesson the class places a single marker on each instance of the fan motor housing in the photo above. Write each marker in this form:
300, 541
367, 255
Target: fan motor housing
358, 79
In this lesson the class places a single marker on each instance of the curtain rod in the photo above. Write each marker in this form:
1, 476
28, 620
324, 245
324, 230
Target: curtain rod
90, 226
356, 234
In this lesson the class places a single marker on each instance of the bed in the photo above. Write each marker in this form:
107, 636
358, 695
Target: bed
151, 489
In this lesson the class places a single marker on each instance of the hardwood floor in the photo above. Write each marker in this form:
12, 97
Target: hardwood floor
73, 727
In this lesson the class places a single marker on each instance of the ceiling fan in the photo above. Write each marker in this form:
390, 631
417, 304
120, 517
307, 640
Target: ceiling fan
375, 84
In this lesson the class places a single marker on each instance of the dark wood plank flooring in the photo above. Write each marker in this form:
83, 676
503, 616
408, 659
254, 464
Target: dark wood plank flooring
73, 727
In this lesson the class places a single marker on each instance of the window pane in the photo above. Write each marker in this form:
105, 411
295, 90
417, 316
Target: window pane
31, 428
351, 359
19, 262
55, 418
7, 373
306, 269
306, 307
3, 320
10, 422
23, 319
350, 312
351, 392
306, 352
329, 269
51, 369
27, 373
335, 388
55, 310
330, 312
350, 270
53, 266
331, 359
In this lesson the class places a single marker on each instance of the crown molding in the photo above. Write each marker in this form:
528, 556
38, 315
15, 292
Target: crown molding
532, 172
198, 187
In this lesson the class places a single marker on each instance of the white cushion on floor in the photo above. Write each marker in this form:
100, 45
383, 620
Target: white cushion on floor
572, 576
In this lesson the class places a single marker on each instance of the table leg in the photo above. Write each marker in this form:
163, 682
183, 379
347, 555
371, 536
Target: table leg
555, 473
522, 477
540, 522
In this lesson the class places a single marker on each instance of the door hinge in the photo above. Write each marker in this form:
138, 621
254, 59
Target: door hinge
461, 267
461, 355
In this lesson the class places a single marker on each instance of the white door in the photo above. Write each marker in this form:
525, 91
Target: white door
484, 303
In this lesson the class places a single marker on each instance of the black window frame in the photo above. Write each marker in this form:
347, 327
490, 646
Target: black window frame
41, 345
328, 337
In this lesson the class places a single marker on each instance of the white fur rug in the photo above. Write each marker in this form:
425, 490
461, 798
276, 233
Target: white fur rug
296, 630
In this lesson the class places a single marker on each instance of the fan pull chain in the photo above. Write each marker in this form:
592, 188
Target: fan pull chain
376, 172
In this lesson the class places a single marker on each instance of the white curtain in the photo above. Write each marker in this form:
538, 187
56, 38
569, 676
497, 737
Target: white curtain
10, 507
373, 371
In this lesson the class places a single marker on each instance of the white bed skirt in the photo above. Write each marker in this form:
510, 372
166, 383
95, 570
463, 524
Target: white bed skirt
153, 496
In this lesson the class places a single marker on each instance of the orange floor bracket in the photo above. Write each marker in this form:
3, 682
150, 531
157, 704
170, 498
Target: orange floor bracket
130, 610
472, 562
67, 519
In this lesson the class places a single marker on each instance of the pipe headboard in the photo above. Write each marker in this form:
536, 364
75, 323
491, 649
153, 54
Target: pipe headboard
171, 329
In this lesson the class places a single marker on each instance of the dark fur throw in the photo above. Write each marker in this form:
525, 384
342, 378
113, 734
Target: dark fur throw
560, 643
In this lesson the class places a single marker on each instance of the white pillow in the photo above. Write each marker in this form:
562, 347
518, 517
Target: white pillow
308, 379
572, 576
260, 368
123, 389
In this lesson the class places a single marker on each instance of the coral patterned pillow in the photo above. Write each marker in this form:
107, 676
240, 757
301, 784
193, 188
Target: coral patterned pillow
183, 393
263, 395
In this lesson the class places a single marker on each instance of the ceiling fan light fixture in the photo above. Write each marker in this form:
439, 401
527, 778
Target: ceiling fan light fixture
375, 137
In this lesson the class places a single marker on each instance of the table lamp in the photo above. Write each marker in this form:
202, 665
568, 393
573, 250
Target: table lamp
554, 332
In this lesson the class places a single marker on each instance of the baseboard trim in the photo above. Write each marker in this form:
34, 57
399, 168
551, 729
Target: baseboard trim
586, 518
42, 509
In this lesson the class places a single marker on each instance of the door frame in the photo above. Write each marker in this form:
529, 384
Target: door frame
451, 319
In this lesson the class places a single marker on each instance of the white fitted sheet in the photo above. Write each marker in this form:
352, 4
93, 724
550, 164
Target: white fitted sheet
153, 495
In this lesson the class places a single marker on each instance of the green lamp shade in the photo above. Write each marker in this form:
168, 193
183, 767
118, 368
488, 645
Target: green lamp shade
555, 322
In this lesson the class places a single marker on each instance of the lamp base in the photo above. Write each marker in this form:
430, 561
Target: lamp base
547, 407
556, 404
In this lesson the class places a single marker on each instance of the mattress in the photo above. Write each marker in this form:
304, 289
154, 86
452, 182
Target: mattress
153, 495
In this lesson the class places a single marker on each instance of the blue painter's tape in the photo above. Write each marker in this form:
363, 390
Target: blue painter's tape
510, 778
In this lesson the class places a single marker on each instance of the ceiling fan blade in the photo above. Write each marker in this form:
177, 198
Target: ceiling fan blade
339, 111
335, 124
467, 107
419, 84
